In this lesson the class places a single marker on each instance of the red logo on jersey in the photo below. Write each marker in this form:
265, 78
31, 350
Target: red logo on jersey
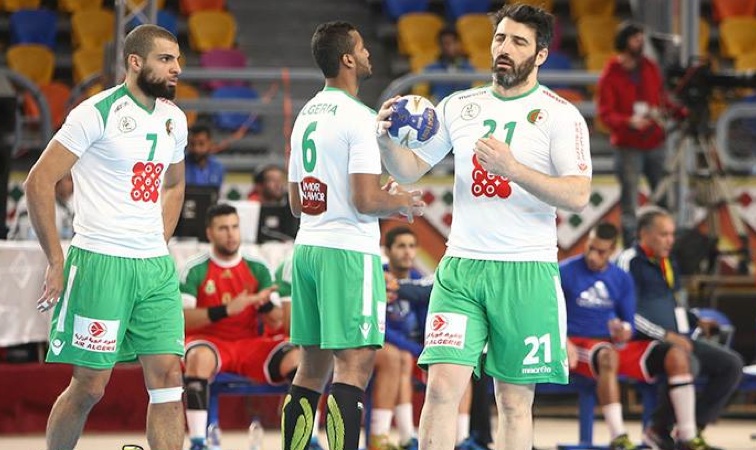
97, 329
439, 322
146, 181
314, 196
487, 184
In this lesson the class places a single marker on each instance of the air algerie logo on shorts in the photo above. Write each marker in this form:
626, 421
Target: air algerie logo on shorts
95, 335
537, 116
446, 330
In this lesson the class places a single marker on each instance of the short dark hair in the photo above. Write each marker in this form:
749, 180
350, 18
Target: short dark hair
448, 30
221, 209
260, 176
201, 128
647, 216
536, 18
625, 31
141, 39
330, 42
606, 231
394, 233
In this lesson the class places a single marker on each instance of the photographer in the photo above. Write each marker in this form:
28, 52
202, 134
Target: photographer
631, 98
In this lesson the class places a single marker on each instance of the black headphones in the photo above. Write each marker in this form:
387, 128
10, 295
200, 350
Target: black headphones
625, 31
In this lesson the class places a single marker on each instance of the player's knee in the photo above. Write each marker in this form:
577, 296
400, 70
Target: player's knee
676, 361
407, 363
514, 401
284, 362
165, 395
607, 360
89, 393
200, 361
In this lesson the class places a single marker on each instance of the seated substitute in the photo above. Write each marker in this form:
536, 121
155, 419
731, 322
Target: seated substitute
233, 321
600, 300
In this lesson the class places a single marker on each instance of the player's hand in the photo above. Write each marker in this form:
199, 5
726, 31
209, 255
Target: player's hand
414, 205
263, 296
496, 157
391, 186
639, 122
52, 287
679, 340
620, 331
572, 355
383, 122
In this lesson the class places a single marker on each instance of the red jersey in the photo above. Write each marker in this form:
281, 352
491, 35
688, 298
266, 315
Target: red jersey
213, 283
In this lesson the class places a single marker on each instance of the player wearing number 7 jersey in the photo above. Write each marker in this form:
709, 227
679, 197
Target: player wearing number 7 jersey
520, 151
119, 291
338, 298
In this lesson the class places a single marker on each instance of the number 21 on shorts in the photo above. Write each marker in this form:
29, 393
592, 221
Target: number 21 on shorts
535, 344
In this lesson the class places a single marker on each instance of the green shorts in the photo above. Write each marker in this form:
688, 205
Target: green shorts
114, 309
517, 308
338, 298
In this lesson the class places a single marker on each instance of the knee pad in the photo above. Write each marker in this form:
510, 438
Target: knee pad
166, 395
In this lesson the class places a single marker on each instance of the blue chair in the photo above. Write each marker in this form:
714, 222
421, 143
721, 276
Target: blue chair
34, 26
458, 8
233, 120
165, 19
397, 8
231, 384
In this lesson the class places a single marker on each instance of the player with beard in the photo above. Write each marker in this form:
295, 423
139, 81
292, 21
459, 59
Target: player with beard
202, 167
338, 294
631, 97
520, 151
116, 293
228, 299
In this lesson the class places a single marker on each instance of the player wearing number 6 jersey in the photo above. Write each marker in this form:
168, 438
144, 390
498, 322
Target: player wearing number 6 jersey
118, 291
520, 151
338, 298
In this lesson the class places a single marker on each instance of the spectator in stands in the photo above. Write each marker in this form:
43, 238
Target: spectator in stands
276, 221
228, 299
661, 316
452, 59
631, 98
21, 228
202, 168
600, 300
270, 186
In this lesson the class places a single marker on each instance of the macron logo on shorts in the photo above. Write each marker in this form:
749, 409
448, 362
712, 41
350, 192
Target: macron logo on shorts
95, 335
56, 346
446, 330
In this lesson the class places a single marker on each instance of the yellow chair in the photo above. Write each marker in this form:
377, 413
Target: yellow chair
211, 29
186, 91
417, 33
482, 61
596, 34
724, 9
704, 34
138, 3
475, 32
737, 35
73, 6
584, 8
548, 5
87, 62
746, 62
92, 28
595, 62
34, 61
15, 5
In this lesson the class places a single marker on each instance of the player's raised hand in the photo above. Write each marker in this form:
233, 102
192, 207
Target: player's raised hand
415, 206
383, 116
52, 287
496, 157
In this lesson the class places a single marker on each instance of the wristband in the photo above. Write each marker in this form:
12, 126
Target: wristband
216, 313
266, 308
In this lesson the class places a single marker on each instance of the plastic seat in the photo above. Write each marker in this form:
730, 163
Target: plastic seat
165, 19
417, 33
189, 7
211, 29
481, 60
133, 4
33, 26
87, 62
397, 8
584, 8
704, 34
15, 5
737, 35
458, 8
92, 28
57, 95
596, 34
548, 5
73, 6
556, 61
724, 9
220, 58
186, 91
34, 61
746, 62
475, 32
234, 120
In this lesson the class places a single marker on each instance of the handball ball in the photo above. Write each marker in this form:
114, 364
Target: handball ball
413, 121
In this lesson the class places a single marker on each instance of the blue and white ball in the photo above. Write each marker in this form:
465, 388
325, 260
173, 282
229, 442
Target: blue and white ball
413, 121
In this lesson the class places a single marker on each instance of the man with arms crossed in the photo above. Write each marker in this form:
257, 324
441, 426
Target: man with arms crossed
339, 295
118, 290
520, 151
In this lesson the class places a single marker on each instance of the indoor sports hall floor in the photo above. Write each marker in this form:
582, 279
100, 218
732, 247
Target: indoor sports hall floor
729, 434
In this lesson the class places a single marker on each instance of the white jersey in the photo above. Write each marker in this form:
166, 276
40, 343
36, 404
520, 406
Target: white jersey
123, 151
333, 137
495, 219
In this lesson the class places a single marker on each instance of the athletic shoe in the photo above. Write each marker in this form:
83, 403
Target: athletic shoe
314, 444
412, 444
381, 442
469, 444
197, 444
621, 442
658, 440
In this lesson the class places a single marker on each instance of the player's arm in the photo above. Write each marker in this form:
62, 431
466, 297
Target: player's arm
369, 198
173, 197
56, 161
402, 163
295, 203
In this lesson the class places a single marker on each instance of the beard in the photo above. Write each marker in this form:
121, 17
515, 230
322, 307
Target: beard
227, 251
155, 88
364, 71
515, 75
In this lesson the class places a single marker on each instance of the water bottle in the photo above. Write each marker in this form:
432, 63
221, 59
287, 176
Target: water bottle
256, 435
213, 437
